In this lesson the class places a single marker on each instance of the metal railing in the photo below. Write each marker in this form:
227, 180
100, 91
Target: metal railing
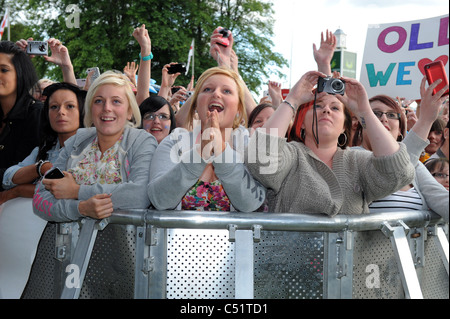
338, 240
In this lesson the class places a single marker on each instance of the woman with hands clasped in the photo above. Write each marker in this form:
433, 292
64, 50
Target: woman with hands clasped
106, 165
203, 169
312, 173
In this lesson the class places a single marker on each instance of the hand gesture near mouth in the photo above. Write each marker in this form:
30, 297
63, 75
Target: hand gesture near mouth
212, 141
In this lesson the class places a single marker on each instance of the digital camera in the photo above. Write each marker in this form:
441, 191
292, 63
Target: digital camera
331, 86
37, 48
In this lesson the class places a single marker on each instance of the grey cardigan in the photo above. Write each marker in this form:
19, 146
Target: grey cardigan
135, 154
301, 183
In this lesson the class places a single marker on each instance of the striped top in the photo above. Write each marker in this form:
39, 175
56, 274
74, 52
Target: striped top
398, 201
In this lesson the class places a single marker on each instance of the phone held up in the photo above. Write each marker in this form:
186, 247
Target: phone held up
54, 173
177, 68
434, 71
37, 48
225, 41
95, 75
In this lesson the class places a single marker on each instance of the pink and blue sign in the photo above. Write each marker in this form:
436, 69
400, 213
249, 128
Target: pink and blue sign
395, 55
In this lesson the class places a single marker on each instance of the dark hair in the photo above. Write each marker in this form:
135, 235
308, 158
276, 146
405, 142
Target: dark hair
258, 109
436, 164
26, 73
153, 104
387, 100
49, 136
438, 125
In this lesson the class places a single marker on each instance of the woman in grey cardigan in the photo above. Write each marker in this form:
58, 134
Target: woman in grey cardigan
312, 174
106, 166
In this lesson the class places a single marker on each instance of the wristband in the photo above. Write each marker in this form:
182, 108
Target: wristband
39, 166
293, 108
146, 58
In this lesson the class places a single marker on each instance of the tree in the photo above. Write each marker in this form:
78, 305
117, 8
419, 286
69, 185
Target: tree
104, 39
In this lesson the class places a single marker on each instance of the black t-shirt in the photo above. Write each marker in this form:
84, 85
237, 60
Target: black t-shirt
20, 135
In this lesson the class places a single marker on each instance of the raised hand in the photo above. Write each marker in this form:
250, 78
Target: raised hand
218, 52
324, 54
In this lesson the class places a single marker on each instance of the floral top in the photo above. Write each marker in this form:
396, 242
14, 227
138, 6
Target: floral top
206, 196
94, 168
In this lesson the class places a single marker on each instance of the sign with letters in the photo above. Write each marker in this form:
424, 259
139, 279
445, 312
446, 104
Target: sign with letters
395, 55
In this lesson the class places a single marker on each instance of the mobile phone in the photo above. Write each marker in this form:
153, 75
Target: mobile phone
81, 83
225, 34
175, 89
54, 173
37, 48
434, 71
177, 68
95, 75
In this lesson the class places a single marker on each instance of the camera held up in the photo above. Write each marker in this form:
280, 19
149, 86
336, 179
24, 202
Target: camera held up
330, 85
37, 48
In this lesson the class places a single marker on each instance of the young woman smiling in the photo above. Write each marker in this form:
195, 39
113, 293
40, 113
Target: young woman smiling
203, 169
106, 164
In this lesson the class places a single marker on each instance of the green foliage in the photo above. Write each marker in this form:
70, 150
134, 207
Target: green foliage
104, 37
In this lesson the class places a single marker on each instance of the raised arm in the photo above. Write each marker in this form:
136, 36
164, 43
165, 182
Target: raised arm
430, 105
228, 57
60, 56
300, 93
355, 98
142, 37
325, 52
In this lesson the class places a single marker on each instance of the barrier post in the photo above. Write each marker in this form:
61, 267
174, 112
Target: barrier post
404, 258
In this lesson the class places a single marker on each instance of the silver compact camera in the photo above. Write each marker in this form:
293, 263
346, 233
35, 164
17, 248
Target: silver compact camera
37, 48
330, 85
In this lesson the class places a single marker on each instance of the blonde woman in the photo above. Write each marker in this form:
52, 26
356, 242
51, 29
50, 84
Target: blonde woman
203, 169
106, 165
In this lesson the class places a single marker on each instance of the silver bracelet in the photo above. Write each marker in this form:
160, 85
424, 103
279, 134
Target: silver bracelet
288, 103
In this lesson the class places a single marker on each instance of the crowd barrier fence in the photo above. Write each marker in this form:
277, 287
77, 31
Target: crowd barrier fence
219, 255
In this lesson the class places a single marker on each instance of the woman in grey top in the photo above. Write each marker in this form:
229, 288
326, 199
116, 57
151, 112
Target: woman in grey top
311, 173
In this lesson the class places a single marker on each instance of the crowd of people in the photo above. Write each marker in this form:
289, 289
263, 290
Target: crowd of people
211, 147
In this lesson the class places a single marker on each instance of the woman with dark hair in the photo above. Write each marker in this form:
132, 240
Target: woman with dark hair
19, 112
157, 117
259, 116
438, 167
423, 192
313, 173
436, 138
62, 116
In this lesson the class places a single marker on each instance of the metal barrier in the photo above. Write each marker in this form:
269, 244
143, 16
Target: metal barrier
186, 254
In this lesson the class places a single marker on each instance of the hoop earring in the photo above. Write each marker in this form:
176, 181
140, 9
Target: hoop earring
399, 139
345, 140
302, 134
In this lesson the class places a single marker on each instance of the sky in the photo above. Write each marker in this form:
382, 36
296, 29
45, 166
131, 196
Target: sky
298, 25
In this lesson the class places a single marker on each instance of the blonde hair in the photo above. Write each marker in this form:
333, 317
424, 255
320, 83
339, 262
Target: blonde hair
119, 80
242, 118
